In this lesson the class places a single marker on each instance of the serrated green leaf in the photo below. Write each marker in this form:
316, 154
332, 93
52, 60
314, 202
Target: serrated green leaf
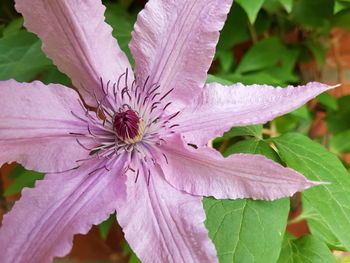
21, 57
251, 7
245, 230
307, 249
340, 143
324, 205
22, 178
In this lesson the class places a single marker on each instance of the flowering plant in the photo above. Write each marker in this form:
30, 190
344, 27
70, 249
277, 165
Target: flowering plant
135, 141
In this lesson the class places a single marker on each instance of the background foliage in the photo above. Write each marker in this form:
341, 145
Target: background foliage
264, 42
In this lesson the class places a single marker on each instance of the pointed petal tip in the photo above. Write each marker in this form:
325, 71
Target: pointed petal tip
315, 183
334, 86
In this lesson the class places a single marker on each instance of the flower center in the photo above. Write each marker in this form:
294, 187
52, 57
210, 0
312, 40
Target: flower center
128, 126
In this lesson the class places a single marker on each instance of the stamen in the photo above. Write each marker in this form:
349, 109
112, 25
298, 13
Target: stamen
137, 176
149, 177
166, 158
144, 85
133, 122
166, 94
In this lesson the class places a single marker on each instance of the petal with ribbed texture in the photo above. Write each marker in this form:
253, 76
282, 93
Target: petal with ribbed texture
205, 172
220, 107
42, 223
162, 224
174, 43
77, 39
36, 126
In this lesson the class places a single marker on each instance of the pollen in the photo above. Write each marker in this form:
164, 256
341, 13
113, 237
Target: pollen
128, 126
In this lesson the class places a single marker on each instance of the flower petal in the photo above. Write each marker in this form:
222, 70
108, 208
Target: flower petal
174, 43
35, 126
42, 224
219, 107
205, 172
77, 39
162, 224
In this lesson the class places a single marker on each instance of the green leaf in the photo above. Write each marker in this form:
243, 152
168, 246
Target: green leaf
236, 28
342, 19
252, 130
251, 7
245, 230
212, 78
252, 145
339, 121
264, 54
260, 77
318, 50
302, 113
286, 123
340, 5
14, 27
21, 57
17, 171
326, 207
328, 100
122, 23
307, 249
22, 178
53, 75
340, 143
106, 226
313, 13
133, 258
288, 5
226, 59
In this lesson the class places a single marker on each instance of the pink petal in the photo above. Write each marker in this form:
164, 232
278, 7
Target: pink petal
162, 224
77, 39
174, 43
205, 172
35, 122
219, 107
41, 225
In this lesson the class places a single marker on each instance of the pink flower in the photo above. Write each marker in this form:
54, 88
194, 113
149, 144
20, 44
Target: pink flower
133, 156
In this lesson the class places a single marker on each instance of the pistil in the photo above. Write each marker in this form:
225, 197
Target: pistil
128, 126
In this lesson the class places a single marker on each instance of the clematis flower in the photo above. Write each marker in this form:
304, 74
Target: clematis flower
134, 154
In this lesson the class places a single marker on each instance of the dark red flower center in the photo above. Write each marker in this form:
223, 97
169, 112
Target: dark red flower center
127, 125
